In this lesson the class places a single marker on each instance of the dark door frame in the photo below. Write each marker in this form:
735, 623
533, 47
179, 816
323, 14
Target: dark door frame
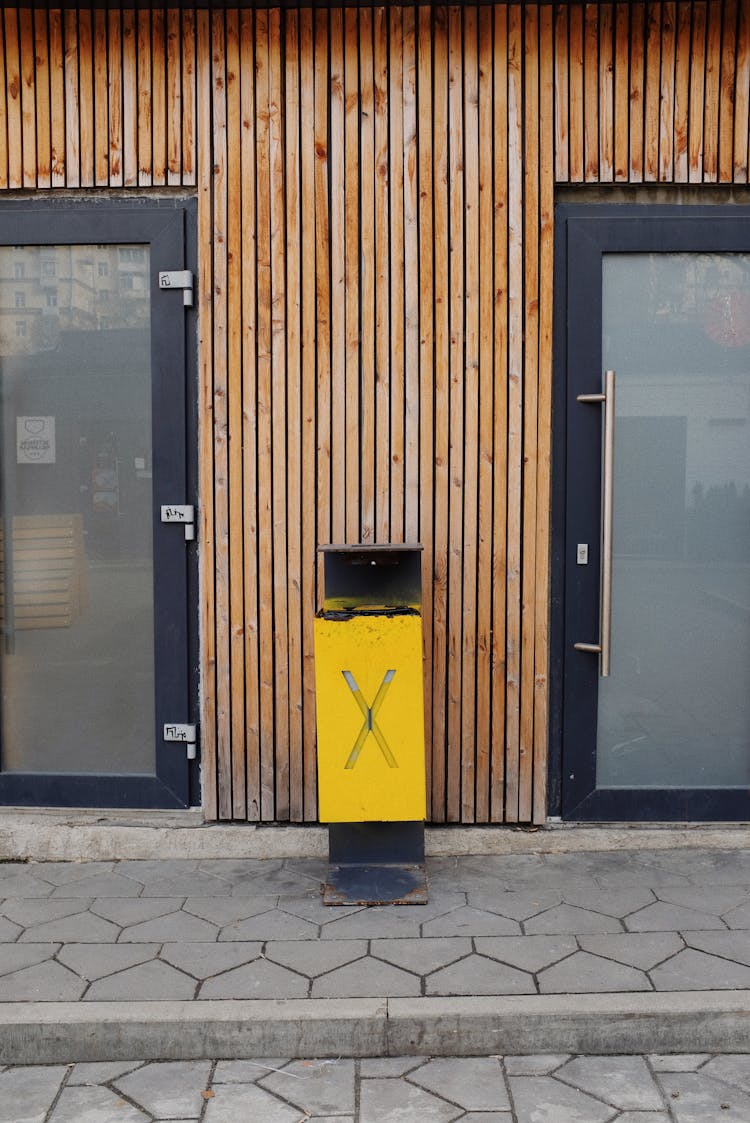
168, 226
583, 233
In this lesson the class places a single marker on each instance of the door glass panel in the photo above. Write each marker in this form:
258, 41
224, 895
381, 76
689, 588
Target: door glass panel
675, 712
77, 650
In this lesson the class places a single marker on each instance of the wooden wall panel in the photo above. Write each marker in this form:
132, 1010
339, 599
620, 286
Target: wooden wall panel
376, 191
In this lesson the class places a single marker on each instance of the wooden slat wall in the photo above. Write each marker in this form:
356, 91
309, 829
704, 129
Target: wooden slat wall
375, 314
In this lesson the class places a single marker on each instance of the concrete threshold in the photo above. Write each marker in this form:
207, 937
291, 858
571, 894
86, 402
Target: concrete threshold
687, 1022
54, 835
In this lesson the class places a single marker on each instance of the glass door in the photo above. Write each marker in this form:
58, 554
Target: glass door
656, 713
93, 588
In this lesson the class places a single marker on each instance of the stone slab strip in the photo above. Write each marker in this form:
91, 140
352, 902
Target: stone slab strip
694, 1022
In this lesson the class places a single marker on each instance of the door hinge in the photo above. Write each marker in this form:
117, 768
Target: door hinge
179, 279
183, 734
180, 513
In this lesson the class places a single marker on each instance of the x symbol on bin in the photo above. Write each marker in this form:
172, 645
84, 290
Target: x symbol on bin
370, 713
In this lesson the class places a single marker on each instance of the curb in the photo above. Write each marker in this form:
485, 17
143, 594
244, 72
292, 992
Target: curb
690, 1021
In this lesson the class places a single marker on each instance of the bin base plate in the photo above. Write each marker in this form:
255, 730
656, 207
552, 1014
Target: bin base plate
384, 884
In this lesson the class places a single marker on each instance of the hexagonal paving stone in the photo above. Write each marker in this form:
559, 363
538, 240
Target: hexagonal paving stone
246, 1072
588, 974
176, 927
530, 953
422, 956
662, 917
468, 921
94, 1105
516, 905
716, 899
478, 975
9, 931
366, 978
395, 1101
83, 928
271, 925
636, 949
695, 970
203, 961
127, 911
389, 1066
542, 1099
474, 1083
94, 961
373, 923
737, 918
169, 1089
568, 919
610, 902
240, 1103
24, 885
537, 1064
17, 956
730, 945
34, 1087
28, 912
677, 1062
100, 1072
44, 982
228, 910
731, 1069
102, 885
624, 1082
148, 982
696, 1098
315, 957
260, 979
315, 1087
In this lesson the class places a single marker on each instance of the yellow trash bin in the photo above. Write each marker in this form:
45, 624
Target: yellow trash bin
370, 686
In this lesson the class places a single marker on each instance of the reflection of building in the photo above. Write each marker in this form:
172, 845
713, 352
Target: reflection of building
51, 289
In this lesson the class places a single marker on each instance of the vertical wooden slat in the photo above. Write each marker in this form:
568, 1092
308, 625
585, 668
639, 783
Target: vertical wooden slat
576, 93
666, 106
544, 411
653, 91
500, 421
486, 413
338, 281
174, 97
394, 491
727, 92
101, 100
383, 373
591, 92
697, 84
3, 112
188, 97
682, 91
145, 120
411, 280
562, 98
86, 97
294, 412
205, 430
249, 432
442, 411
115, 73
234, 251
278, 420
351, 189
72, 114
622, 92
515, 409
13, 98
530, 405
470, 435
159, 98
307, 180
606, 93
322, 283
220, 401
456, 423
742, 97
637, 90
368, 202
43, 108
264, 407
712, 93
426, 362
130, 101
28, 98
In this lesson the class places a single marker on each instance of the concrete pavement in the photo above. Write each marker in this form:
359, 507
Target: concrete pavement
513, 1089
619, 951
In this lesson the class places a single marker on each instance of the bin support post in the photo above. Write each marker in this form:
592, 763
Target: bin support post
376, 864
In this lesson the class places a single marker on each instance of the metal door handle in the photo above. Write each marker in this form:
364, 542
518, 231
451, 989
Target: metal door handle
607, 401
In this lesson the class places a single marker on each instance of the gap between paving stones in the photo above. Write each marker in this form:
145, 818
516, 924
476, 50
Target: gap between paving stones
690, 1022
